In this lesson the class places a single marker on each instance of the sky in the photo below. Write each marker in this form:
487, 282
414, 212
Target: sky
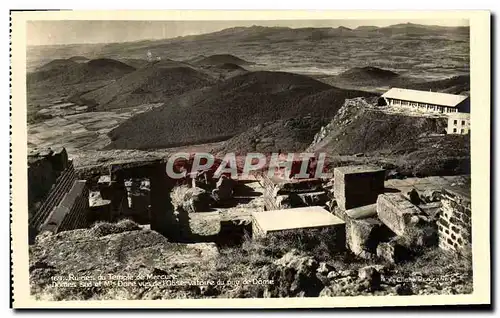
100, 31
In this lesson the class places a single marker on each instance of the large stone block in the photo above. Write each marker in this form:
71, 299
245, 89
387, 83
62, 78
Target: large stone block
105, 186
398, 213
355, 186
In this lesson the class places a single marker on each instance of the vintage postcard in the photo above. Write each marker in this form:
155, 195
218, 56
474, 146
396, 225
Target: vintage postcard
260, 159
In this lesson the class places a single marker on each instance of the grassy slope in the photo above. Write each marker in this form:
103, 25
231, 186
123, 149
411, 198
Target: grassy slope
292, 134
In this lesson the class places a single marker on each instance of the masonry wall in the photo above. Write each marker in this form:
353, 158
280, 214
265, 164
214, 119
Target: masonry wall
454, 224
44, 168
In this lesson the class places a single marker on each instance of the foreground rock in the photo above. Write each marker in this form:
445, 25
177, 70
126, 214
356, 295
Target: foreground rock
117, 261
125, 261
293, 275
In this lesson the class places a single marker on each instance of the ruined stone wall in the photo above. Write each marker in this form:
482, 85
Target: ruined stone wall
60, 187
43, 170
454, 224
72, 212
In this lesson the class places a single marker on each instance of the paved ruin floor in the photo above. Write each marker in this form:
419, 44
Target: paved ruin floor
247, 199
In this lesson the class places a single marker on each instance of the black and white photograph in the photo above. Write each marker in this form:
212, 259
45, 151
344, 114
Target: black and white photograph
236, 159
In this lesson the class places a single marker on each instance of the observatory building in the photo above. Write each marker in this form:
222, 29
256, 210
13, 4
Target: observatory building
426, 101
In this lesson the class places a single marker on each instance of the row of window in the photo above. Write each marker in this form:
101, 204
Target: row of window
461, 130
422, 105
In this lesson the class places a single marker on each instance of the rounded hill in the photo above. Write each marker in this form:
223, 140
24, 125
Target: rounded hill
367, 73
105, 64
219, 59
64, 71
78, 58
155, 82
56, 64
230, 66
227, 109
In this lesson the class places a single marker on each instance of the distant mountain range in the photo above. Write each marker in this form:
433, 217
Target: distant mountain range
252, 42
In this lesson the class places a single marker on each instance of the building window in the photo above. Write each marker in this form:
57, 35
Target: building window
461, 131
454, 130
463, 122
455, 122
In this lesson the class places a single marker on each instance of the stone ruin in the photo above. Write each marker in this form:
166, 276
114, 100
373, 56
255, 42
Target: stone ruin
139, 190
389, 225
374, 222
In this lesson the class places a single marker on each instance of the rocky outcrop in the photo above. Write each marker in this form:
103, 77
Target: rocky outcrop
294, 275
344, 116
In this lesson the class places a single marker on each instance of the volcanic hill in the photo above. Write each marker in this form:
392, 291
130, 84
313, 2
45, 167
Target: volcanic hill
367, 73
155, 82
378, 80
79, 59
219, 59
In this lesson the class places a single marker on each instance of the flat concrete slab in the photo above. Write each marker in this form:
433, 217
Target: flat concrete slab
297, 218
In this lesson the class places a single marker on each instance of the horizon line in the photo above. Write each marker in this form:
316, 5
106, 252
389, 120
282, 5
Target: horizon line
255, 25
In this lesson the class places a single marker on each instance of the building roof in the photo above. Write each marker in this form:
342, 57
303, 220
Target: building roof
427, 97
297, 218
